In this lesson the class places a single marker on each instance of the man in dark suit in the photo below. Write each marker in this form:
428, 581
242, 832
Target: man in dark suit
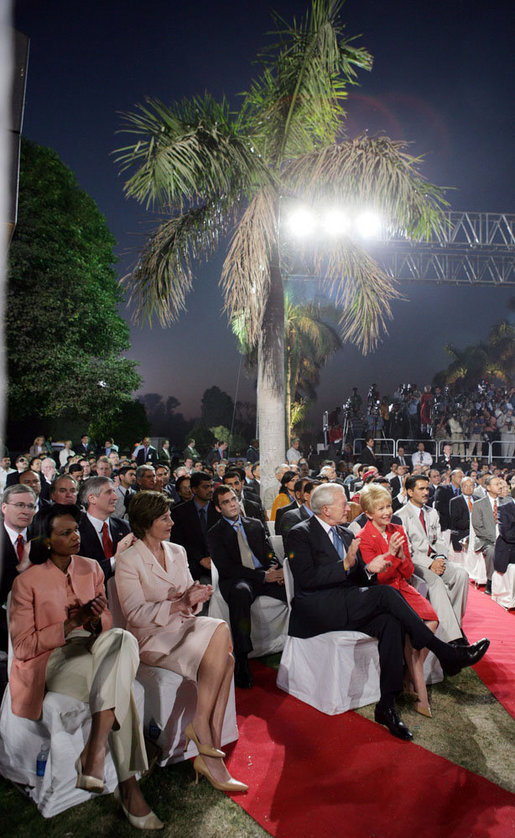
504, 554
145, 453
85, 448
335, 590
435, 478
247, 568
18, 505
443, 497
191, 520
447, 460
295, 516
32, 479
296, 504
250, 505
252, 454
102, 536
460, 509
366, 456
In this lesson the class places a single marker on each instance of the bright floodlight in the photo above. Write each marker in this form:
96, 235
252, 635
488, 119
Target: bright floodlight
368, 225
335, 222
301, 222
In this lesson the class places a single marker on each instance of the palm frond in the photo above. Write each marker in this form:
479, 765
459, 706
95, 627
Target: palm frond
375, 173
163, 277
297, 103
187, 153
246, 272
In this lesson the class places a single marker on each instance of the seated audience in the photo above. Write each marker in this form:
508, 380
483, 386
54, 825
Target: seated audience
63, 641
103, 536
160, 600
379, 537
192, 520
336, 591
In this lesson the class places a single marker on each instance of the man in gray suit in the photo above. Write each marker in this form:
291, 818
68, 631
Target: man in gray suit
484, 521
447, 582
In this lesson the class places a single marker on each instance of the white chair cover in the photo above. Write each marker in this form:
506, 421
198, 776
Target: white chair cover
169, 701
269, 619
336, 671
277, 543
503, 587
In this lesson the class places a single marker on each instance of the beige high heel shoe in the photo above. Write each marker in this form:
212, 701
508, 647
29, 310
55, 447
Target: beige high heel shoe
86, 781
230, 785
423, 710
150, 821
207, 750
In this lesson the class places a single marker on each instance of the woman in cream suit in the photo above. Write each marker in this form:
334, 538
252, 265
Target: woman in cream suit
63, 641
160, 600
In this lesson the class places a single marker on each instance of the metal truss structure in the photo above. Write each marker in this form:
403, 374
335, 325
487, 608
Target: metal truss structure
474, 248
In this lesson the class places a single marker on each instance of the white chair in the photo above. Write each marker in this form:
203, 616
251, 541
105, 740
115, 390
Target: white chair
63, 728
270, 525
503, 587
169, 701
269, 618
335, 671
277, 543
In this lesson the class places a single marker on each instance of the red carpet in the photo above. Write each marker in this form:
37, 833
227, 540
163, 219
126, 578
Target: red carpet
484, 618
312, 776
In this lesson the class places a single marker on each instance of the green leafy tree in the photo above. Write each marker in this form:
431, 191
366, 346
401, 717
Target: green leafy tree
216, 408
64, 334
216, 172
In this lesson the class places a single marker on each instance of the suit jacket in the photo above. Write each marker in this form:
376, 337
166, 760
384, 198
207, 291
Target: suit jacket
85, 452
366, 456
281, 511
505, 545
395, 485
187, 532
253, 509
443, 497
317, 569
483, 521
90, 545
419, 540
150, 458
460, 520
39, 607
443, 464
225, 552
291, 519
143, 588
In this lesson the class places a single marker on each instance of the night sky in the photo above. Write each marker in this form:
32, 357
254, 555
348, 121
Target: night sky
442, 77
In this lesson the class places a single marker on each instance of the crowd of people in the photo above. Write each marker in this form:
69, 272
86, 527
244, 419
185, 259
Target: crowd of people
471, 420
361, 538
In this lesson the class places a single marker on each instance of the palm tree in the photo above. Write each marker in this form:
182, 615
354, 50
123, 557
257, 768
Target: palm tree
216, 172
472, 364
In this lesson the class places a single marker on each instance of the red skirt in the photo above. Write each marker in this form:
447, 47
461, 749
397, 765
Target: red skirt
420, 604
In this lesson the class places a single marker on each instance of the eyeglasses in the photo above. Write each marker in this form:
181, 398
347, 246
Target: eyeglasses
29, 506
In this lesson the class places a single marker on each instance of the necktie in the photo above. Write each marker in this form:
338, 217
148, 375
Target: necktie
495, 511
470, 504
423, 520
107, 543
338, 543
202, 514
20, 542
245, 551
421, 457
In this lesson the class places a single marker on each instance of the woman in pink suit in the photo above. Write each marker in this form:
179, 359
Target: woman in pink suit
160, 600
63, 641
379, 537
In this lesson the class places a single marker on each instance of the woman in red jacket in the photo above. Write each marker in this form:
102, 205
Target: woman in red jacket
379, 537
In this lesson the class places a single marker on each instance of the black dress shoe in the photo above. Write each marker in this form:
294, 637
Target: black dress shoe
488, 588
465, 656
388, 716
242, 675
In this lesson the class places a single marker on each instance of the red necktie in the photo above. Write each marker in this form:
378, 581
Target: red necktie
107, 543
423, 520
495, 510
20, 543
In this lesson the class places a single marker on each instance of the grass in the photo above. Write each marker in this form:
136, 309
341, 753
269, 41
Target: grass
469, 727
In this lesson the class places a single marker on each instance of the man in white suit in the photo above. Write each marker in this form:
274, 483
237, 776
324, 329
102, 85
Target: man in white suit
447, 582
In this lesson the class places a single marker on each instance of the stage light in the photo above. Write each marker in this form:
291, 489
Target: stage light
335, 222
368, 225
301, 222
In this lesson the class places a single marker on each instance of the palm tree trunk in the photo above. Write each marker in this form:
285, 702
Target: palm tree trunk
288, 394
270, 383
